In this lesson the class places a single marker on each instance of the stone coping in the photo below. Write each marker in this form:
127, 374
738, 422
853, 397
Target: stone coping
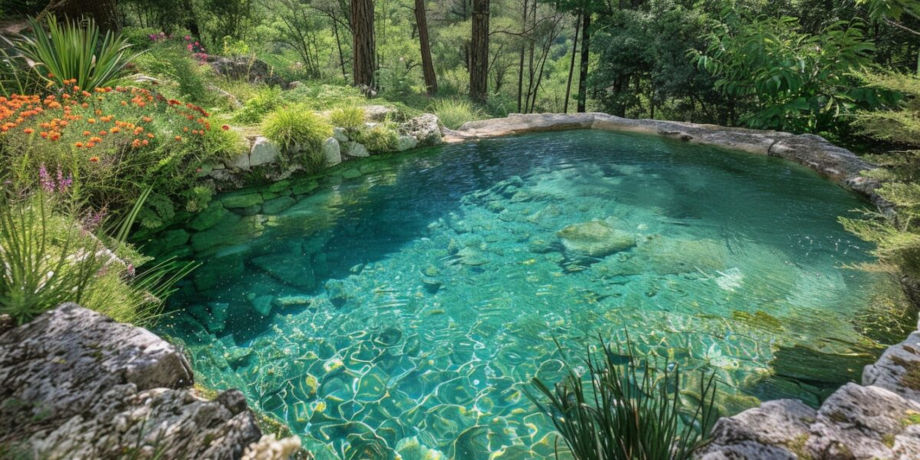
836, 163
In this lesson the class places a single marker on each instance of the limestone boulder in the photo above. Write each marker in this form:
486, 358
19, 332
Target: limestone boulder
332, 151
594, 239
426, 128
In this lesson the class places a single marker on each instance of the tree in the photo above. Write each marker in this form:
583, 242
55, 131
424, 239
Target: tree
479, 53
421, 21
364, 64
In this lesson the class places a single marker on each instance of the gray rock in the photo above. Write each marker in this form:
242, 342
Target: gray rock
426, 128
332, 151
240, 162
291, 301
378, 112
88, 387
405, 142
340, 135
898, 369
263, 152
776, 429
262, 304
338, 292
866, 423
356, 149
595, 239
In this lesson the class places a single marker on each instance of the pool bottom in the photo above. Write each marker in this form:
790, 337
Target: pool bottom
408, 310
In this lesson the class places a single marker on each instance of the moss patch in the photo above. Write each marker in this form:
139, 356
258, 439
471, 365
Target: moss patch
911, 377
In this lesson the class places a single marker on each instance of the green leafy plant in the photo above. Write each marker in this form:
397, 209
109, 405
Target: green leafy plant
15, 76
626, 410
350, 118
296, 127
64, 51
789, 79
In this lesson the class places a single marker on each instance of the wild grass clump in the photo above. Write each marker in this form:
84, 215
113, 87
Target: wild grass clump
350, 118
298, 131
50, 257
625, 409
262, 102
454, 112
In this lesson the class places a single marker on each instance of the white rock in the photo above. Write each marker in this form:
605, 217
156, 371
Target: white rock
405, 142
332, 151
340, 135
263, 152
356, 149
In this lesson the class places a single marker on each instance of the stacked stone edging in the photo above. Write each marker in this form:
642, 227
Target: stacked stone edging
815, 152
76, 384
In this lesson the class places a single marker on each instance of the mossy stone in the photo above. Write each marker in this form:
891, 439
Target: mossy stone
277, 205
304, 187
208, 218
242, 199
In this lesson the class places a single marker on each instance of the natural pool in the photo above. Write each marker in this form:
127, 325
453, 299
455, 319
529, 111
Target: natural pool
400, 304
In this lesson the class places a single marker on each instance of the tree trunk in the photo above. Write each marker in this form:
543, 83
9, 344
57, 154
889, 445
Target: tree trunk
338, 45
431, 80
479, 59
568, 83
363, 65
104, 12
585, 53
520, 84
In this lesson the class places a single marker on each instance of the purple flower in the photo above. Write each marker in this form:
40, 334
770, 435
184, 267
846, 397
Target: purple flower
63, 183
94, 218
45, 179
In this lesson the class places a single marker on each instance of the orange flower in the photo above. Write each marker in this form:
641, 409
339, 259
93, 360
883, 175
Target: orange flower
178, 138
115, 130
84, 105
124, 102
150, 135
43, 134
224, 127
91, 121
55, 136
78, 144
94, 159
102, 133
28, 130
86, 133
145, 142
146, 118
185, 129
136, 143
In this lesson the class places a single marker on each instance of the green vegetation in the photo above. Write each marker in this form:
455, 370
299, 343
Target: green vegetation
455, 112
349, 118
70, 51
299, 132
627, 409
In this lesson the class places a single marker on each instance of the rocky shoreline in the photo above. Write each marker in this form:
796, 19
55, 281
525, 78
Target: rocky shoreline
836, 163
76, 384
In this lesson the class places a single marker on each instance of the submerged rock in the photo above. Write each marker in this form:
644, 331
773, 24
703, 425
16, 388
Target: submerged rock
295, 272
332, 151
595, 239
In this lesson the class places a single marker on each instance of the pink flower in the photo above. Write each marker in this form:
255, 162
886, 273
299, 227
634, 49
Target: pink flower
188, 37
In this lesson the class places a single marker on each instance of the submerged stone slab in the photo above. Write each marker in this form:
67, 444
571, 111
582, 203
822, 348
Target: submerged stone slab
76, 384
595, 239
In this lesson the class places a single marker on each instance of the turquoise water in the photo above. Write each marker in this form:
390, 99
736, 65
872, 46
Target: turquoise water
397, 307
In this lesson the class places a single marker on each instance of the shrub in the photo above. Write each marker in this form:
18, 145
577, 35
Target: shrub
455, 112
897, 234
627, 410
296, 128
350, 118
70, 52
263, 101
380, 138
113, 142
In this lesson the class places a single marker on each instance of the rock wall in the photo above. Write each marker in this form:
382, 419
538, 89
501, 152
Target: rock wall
836, 163
879, 419
76, 384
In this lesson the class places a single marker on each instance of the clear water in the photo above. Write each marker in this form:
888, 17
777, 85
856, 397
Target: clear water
413, 296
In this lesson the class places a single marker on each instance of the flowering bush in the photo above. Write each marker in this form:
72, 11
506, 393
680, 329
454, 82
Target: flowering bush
112, 142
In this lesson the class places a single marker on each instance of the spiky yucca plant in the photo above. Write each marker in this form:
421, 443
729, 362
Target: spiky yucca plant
66, 50
622, 409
